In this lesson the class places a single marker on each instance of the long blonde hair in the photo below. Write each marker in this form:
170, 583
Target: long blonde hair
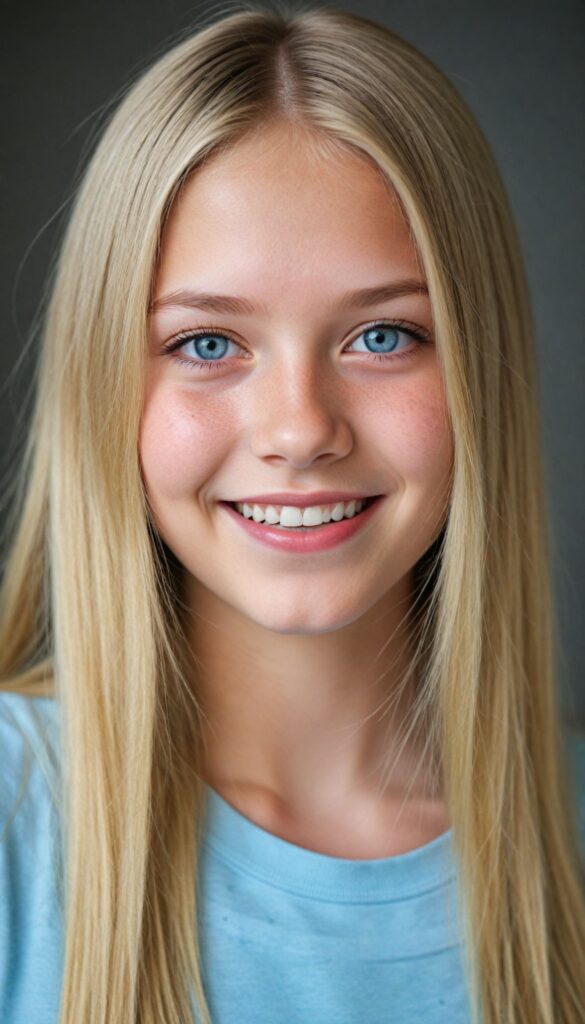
91, 601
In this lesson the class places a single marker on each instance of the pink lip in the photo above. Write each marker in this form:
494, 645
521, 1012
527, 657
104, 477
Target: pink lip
320, 538
301, 500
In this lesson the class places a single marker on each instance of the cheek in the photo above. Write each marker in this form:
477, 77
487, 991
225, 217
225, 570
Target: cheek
411, 427
181, 443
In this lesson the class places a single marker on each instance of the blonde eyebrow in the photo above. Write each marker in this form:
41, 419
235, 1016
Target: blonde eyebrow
186, 298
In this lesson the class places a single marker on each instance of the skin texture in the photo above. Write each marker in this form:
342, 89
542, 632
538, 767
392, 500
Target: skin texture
295, 653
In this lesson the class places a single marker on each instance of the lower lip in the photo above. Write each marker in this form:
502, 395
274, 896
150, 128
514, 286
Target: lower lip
319, 538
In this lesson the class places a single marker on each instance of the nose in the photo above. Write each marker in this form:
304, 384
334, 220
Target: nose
300, 416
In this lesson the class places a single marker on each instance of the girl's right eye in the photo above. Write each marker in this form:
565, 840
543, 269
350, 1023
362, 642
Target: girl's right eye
208, 342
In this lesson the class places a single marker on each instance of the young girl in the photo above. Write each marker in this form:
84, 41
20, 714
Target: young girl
281, 738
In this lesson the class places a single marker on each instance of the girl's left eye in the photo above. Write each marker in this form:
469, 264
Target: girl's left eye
381, 341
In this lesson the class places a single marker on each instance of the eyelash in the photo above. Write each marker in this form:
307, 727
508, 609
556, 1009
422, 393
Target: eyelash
177, 340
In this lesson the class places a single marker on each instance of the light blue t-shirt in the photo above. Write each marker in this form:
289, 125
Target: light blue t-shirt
288, 936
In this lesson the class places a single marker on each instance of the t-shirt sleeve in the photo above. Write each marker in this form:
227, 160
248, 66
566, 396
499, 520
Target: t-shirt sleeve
30, 920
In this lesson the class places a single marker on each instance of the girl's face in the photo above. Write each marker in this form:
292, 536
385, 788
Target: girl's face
290, 389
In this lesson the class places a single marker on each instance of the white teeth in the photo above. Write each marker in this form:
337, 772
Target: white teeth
292, 516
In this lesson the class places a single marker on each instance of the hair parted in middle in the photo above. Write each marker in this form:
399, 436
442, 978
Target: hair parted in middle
92, 599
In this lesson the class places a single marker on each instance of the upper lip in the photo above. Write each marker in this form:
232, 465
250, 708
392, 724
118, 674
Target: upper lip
314, 498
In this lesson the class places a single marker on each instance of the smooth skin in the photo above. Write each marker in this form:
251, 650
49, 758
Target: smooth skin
295, 653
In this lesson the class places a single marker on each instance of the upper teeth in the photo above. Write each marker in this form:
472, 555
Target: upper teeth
291, 515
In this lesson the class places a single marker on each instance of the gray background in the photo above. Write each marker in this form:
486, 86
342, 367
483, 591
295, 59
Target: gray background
521, 68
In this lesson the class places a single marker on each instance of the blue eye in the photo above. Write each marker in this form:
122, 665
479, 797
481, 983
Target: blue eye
381, 339
212, 345
206, 343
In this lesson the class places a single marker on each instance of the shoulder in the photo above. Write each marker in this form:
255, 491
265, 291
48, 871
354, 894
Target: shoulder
31, 947
28, 765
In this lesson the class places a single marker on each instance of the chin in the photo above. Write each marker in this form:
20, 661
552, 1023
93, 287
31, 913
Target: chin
302, 621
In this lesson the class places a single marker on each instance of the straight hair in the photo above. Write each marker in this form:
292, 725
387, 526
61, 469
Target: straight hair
91, 602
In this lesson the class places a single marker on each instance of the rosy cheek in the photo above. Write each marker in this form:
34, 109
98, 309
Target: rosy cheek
415, 432
181, 443
431, 448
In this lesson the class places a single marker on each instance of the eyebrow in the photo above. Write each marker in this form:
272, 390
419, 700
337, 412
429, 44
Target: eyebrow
186, 298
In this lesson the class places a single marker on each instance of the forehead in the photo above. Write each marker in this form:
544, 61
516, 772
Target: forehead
277, 205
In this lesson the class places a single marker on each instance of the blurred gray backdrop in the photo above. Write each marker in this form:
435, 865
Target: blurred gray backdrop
520, 66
